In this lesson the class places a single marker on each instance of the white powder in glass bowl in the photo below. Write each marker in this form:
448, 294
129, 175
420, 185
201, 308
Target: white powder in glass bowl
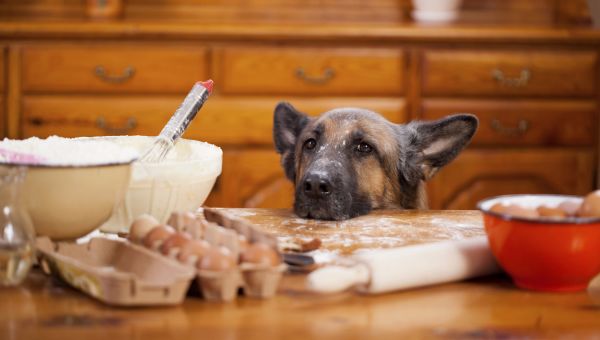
59, 151
181, 182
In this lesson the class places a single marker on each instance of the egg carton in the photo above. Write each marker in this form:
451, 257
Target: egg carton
255, 280
116, 272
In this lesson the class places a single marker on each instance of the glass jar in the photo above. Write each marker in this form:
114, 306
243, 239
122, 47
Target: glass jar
17, 235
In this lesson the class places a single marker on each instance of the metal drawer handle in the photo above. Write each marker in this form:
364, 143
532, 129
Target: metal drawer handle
503, 80
129, 125
127, 74
327, 75
520, 129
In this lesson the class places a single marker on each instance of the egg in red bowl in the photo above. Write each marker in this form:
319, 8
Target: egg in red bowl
557, 253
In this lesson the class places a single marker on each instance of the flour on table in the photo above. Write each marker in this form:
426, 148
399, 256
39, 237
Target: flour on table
377, 230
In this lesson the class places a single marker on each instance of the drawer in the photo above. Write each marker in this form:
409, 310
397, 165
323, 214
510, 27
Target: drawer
478, 174
509, 73
524, 123
74, 116
112, 69
230, 121
307, 71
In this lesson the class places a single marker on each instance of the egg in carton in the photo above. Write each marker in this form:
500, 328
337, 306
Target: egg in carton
226, 258
220, 236
180, 239
174, 239
218, 275
261, 265
260, 269
187, 222
218, 272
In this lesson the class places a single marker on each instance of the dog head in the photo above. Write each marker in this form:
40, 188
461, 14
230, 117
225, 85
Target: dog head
348, 161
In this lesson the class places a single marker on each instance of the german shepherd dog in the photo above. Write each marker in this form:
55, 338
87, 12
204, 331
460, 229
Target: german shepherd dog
348, 161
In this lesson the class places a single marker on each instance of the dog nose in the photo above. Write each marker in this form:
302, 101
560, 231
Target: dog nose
316, 186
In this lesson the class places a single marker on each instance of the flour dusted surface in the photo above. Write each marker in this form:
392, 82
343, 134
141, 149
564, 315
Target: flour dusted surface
380, 229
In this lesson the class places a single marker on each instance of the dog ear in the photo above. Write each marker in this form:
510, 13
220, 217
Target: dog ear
287, 126
439, 142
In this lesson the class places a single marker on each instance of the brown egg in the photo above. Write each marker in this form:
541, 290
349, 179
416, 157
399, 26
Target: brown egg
499, 208
590, 206
519, 211
545, 211
217, 259
243, 242
194, 251
570, 207
174, 243
261, 254
157, 236
186, 222
140, 227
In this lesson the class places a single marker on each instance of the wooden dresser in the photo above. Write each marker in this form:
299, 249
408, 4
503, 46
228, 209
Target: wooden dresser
531, 78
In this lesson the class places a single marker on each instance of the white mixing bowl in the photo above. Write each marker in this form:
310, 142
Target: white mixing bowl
182, 182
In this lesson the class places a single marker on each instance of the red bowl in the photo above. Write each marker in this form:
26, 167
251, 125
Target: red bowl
543, 254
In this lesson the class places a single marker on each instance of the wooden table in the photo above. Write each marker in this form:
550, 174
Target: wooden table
485, 308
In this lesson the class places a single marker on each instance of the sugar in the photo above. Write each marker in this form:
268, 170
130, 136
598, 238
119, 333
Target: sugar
59, 151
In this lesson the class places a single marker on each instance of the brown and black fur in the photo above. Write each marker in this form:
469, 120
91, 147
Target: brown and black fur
349, 161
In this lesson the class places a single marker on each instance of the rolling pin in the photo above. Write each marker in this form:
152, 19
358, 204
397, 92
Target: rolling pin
386, 270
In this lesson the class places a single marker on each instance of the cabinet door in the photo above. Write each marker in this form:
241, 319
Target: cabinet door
252, 178
478, 174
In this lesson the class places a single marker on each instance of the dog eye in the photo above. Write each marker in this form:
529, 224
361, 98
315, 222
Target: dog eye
310, 144
364, 148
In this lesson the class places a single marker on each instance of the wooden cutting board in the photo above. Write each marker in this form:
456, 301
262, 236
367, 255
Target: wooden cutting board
380, 229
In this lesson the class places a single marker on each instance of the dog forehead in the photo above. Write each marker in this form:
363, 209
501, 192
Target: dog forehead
351, 114
343, 122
